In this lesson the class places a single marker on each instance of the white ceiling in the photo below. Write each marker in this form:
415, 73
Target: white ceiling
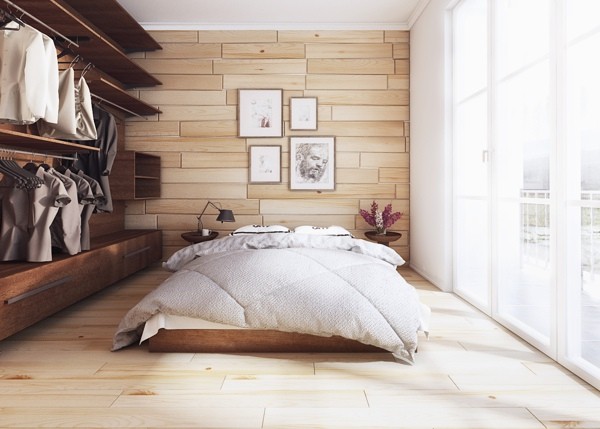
275, 14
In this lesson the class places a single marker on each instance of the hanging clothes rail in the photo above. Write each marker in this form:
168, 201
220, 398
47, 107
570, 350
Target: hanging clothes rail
24, 12
22, 152
104, 100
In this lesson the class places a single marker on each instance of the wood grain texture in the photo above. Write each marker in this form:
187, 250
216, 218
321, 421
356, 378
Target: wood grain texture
251, 341
329, 36
262, 66
237, 36
263, 50
361, 81
351, 66
61, 373
31, 292
189, 66
187, 50
357, 82
349, 50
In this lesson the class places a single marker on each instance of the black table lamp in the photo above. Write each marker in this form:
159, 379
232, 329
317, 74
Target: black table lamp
225, 215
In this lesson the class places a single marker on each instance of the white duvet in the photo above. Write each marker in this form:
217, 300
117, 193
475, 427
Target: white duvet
318, 285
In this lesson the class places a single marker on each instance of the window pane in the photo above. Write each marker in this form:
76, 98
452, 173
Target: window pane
470, 142
470, 48
589, 319
582, 17
523, 26
583, 95
472, 250
524, 270
525, 129
583, 160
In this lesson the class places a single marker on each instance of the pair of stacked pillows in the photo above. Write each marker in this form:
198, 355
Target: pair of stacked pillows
333, 230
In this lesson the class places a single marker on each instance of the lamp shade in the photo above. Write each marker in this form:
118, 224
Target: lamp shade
225, 216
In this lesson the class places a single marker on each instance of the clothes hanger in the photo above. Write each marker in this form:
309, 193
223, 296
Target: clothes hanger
31, 166
7, 18
22, 177
87, 68
7, 169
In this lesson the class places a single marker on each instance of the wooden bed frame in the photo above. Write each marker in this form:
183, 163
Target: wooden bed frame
251, 341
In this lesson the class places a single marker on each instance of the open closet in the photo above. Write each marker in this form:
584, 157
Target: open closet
91, 40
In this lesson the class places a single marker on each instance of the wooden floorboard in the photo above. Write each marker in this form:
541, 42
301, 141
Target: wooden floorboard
470, 373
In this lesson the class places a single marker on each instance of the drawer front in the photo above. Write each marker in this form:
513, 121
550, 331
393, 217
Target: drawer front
59, 285
140, 252
41, 290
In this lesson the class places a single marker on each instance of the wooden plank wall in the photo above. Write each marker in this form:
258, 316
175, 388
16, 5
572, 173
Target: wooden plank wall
361, 80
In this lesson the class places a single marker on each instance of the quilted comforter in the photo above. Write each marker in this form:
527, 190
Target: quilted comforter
318, 285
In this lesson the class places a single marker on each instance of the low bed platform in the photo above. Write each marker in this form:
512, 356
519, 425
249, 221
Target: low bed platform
280, 292
251, 341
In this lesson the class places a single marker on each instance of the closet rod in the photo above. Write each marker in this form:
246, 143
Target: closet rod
104, 100
22, 152
23, 11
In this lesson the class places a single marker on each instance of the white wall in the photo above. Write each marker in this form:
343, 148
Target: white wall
430, 151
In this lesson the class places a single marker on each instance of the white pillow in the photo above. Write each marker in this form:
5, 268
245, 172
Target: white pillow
259, 229
323, 230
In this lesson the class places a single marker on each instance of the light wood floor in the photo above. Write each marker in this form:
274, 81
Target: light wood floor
471, 373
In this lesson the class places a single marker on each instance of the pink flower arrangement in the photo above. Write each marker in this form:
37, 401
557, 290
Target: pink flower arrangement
380, 220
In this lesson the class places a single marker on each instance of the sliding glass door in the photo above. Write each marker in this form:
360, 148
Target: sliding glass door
526, 139
523, 140
582, 154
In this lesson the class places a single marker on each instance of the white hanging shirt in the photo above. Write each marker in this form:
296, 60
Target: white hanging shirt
75, 115
51, 114
23, 76
66, 125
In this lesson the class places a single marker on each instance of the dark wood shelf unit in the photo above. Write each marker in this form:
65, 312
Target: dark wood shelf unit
30, 292
94, 45
117, 23
102, 87
135, 176
113, 72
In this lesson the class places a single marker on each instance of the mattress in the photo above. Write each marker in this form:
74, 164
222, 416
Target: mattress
169, 321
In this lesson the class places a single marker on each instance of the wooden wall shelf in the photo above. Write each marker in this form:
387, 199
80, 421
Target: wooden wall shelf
113, 72
30, 292
116, 22
94, 45
20, 140
135, 176
109, 91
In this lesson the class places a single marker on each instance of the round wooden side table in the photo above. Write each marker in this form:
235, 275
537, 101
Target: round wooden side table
197, 237
384, 239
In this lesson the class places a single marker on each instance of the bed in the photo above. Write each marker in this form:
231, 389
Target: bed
269, 289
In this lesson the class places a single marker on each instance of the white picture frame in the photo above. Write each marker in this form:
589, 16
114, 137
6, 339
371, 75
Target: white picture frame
312, 163
303, 113
260, 113
265, 164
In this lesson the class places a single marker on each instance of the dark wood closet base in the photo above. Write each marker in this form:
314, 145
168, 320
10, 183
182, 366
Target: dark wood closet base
30, 292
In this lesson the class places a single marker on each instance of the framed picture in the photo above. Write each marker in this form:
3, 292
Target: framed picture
312, 163
260, 112
303, 113
265, 164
